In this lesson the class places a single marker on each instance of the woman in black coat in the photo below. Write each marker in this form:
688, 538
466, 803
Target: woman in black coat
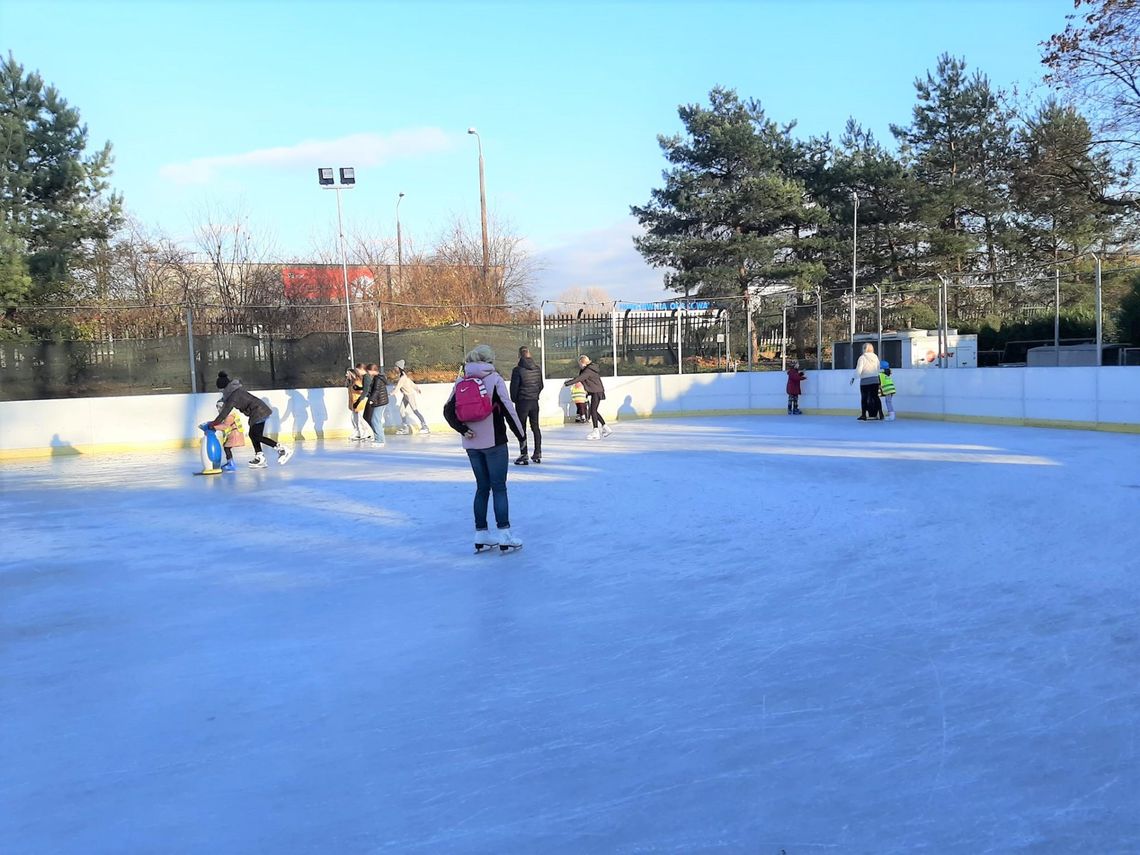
591, 381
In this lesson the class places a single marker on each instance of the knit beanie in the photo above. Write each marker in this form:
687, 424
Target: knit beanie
223, 380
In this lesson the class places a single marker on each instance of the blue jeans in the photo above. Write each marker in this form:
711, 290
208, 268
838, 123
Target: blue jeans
377, 424
490, 468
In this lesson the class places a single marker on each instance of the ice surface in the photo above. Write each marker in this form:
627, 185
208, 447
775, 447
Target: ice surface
754, 635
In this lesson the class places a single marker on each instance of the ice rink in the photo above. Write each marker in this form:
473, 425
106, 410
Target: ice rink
760, 635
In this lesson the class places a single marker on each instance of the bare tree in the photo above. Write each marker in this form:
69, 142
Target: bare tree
591, 299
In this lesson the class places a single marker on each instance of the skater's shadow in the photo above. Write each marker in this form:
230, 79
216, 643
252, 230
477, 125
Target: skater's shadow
319, 411
59, 448
626, 410
298, 411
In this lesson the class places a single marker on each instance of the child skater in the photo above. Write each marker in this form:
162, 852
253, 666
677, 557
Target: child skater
578, 396
887, 389
795, 378
354, 382
233, 436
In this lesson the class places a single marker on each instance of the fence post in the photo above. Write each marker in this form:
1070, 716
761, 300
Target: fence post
380, 334
680, 355
1099, 327
613, 333
190, 344
819, 331
542, 335
748, 318
727, 338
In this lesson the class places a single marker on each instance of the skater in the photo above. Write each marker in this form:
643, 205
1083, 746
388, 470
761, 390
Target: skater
235, 397
477, 411
526, 386
867, 373
578, 396
795, 378
409, 397
354, 382
376, 397
233, 436
591, 380
887, 389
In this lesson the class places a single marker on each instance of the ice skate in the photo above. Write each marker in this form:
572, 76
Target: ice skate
484, 540
283, 454
521, 460
508, 541
378, 443
890, 417
425, 430
606, 431
258, 462
797, 412
229, 466
594, 434
403, 430
537, 458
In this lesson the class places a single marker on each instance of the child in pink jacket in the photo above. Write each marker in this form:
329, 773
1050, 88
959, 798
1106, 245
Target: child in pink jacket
233, 436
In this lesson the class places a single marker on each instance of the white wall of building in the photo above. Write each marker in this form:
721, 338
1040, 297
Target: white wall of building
1104, 398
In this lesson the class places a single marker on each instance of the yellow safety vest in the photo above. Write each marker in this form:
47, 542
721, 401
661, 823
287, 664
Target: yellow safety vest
886, 384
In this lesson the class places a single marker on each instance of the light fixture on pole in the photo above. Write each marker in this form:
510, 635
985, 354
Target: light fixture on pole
347, 182
482, 203
399, 245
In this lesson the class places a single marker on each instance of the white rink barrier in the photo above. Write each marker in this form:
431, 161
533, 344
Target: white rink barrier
1088, 398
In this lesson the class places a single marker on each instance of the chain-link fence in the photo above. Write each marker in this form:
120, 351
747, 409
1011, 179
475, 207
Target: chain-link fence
179, 348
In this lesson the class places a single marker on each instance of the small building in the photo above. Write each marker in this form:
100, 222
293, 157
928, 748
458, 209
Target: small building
910, 349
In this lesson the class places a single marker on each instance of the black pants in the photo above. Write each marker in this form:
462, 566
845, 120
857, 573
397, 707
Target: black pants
869, 399
595, 417
528, 410
256, 432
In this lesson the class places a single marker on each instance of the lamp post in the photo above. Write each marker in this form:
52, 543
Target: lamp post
1099, 318
854, 256
347, 182
482, 202
399, 246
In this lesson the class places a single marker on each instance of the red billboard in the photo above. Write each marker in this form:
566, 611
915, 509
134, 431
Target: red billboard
325, 282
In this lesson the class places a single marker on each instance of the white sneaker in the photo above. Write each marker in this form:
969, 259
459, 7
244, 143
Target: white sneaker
594, 434
606, 431
507, 539
257, 462
283, 454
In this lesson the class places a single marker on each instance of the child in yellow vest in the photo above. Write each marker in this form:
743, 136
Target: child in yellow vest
578, 396
233, 436
887, 389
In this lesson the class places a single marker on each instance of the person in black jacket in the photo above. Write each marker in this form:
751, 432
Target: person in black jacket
591, 380
235, 397
526, 386
377, 401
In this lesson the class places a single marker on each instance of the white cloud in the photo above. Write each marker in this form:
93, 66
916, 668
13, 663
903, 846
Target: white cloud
602, 258
358, 149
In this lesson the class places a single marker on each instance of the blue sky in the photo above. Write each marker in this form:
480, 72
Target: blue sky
233, 105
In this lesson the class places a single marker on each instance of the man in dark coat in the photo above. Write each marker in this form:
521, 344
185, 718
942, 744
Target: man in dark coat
235, 397
526, 386
591, 381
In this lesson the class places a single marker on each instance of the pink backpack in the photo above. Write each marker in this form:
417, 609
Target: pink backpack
472, 400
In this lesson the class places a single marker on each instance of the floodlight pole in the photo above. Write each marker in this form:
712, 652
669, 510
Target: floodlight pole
347, 181
344, 272
879, 307
542, 334
819, 330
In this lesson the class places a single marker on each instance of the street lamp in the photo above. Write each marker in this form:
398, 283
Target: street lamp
854, 248
482, 202
347, 182
399, 246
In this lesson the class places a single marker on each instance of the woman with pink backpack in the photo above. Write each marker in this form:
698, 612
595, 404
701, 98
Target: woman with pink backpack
477, 410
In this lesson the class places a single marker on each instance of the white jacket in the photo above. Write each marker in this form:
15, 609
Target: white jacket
867, 368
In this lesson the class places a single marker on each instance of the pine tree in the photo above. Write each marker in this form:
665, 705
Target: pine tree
732, 214
55, 199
